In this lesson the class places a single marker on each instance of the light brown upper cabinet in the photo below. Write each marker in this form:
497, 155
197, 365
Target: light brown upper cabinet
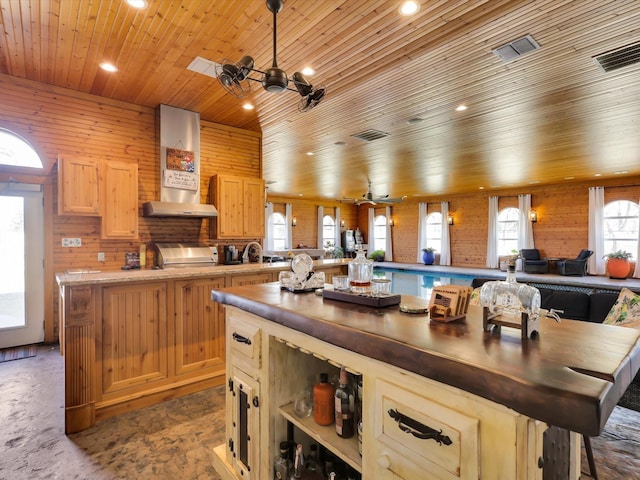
78, 188
240, 204
119, 200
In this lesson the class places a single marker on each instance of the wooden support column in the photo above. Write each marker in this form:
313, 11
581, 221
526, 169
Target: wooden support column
79, 361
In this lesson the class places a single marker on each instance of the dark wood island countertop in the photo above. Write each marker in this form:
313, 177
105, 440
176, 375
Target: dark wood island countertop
572, 376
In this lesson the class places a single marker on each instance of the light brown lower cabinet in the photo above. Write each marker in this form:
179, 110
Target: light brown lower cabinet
199, 327
413, 427
132, 344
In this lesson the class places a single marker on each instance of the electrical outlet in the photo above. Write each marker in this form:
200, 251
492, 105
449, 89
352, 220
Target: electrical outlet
101, 256
71, 242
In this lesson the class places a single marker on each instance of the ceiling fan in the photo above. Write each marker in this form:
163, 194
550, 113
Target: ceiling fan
369, 198
234, 77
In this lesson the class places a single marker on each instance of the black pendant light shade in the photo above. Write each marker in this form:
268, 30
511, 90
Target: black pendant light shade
232, 76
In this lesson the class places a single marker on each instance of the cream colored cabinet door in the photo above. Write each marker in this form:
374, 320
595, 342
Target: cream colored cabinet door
78, 187
119, 200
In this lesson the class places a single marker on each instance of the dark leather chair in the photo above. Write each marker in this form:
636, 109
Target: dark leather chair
532, 262
576, 266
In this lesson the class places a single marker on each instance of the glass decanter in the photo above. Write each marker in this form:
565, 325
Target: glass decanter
509, 297
360, 273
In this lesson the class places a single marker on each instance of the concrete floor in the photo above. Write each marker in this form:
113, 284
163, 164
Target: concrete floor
171, 440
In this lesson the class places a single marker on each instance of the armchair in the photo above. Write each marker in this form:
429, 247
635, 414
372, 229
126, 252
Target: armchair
576, 266
531, 261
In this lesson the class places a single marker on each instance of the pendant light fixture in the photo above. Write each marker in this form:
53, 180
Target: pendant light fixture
235, 77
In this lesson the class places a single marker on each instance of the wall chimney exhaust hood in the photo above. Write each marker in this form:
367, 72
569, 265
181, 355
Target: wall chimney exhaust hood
179, 167
177, 209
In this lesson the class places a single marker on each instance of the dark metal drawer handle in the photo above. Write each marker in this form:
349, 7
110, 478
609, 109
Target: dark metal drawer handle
417, 429
240, 339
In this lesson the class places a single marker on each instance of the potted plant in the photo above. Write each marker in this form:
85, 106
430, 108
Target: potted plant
618, 264
377, 255
428, 255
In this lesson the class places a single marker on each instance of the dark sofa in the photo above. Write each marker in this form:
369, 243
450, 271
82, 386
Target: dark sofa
588, 307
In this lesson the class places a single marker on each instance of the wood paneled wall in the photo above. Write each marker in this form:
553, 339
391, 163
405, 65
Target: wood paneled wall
58, 121
306, 213
561, 230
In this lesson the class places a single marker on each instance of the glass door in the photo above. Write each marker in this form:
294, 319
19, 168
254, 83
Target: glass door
21, 264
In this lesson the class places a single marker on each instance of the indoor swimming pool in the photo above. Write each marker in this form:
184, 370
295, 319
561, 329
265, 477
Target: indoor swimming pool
419, 283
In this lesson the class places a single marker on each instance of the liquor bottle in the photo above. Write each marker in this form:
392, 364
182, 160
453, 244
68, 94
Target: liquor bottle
323, 402
360, 273
312, 463
344, 406
282, 465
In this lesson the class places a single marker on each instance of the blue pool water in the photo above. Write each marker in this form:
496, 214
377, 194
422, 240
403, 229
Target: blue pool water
419, 283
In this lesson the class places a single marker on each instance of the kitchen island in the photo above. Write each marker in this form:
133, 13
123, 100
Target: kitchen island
137, 337
501, 401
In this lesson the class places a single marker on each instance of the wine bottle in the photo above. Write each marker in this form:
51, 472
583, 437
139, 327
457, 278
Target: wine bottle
323, 402
344, 406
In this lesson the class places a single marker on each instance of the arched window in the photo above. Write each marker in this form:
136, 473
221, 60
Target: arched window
621, 226
16, 151
379, 233
508, 230
328, 231
278, 231
434, 231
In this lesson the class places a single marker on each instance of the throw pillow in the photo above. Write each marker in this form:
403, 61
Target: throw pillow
475, 296
626, 311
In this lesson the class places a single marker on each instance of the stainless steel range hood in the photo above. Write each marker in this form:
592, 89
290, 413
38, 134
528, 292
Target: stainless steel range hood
177, 209
180, 181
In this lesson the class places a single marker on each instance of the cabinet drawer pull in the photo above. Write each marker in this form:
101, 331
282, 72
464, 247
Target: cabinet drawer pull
417, 429
240, 339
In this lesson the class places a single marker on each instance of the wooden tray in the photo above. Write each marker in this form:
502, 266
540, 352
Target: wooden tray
361, 299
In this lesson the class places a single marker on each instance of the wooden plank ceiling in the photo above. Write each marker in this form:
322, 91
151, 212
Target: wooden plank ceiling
550, 116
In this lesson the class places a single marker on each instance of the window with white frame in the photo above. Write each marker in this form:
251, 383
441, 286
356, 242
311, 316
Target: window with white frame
328, 232
508, 220
278, 231
379, 233
16, 151
434, 231
621, 225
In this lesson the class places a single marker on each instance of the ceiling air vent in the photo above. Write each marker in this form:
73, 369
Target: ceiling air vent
516, 49
370, 135
621, 57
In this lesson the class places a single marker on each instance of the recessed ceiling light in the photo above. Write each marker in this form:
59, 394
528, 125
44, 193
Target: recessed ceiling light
308, 71
597, 174
138, 3
461, 108
415, 120
340, 144
620, 172
108, 67
480, 188
409, 8
248, 106
310, 153
569, 178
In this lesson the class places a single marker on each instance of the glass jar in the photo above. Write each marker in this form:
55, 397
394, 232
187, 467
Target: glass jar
360, 273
